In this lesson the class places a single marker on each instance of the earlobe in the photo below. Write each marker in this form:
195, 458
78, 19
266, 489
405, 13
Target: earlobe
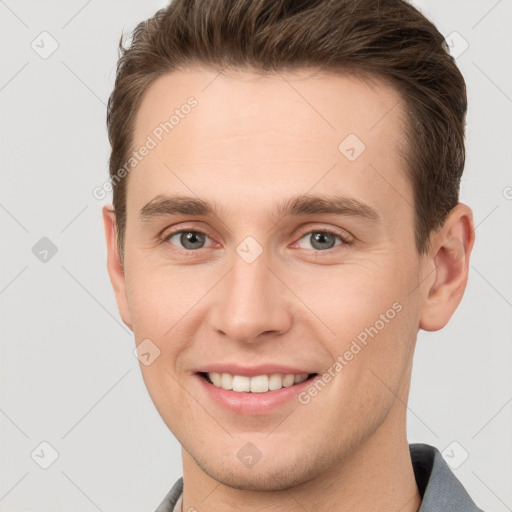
451, 249
115, 264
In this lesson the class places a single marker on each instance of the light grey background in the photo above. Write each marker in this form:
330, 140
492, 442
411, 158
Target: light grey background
68, 375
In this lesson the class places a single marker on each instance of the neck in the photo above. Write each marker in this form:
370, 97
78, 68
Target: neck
377, 476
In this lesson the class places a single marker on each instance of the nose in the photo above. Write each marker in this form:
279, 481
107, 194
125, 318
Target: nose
251, 304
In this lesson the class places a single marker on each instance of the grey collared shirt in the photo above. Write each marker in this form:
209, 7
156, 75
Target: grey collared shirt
439, 488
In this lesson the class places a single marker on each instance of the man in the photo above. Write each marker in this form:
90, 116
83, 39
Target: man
285, 219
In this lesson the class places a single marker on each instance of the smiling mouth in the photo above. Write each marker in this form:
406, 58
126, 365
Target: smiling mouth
256, 384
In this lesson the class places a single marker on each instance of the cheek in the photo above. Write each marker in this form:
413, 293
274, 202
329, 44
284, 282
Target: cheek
159, 296
351, 296
166, 307
368, 315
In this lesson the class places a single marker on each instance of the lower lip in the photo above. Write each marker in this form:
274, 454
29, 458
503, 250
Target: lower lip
252, 403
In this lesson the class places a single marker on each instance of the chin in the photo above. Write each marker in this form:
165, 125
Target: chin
276, 476
261, 480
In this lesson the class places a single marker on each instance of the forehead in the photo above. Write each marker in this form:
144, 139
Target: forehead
270, 132
233, 102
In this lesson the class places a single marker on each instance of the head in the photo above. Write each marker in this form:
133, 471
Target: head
313, 167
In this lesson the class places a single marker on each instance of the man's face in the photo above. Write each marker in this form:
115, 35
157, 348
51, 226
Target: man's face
260, 289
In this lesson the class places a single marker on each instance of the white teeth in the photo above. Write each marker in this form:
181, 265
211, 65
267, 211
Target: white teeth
226, 381
215, 378
241, 383
275, 382
257, 384
289, 380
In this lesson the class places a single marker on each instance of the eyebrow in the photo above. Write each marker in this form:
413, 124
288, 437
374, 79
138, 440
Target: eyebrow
300, 205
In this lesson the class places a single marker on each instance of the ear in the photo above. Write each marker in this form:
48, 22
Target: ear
451, 248
115, 264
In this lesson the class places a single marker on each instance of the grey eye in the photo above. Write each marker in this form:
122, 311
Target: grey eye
321, 240
190, 240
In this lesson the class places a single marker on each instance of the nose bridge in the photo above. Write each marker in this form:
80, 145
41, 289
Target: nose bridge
251, 298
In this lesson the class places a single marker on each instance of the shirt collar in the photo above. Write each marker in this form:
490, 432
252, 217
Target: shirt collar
439, 487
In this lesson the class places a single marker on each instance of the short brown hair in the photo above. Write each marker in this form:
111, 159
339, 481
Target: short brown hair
386, 39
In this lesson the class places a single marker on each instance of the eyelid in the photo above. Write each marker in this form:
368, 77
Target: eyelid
178, 228
344, 236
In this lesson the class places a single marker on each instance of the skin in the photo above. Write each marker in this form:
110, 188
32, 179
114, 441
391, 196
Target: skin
252, 142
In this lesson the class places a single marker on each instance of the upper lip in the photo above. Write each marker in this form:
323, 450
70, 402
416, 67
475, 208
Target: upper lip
252, 371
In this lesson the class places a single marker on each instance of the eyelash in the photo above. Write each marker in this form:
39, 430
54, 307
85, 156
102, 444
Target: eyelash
344, 239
